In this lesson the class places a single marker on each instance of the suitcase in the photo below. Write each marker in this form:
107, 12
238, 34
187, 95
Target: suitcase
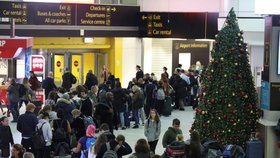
254, 149
233, 151
166, 109
38, 105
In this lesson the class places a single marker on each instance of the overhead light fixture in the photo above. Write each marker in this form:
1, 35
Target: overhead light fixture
88, 40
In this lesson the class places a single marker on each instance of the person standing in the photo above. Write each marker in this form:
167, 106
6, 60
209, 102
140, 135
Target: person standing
152, 129
13, 97
104, 74
165, 73
139, 73
47, 134
137, 103
33, 80
48, 84
171, 133
91, 80
26, 126
119, 102
6, 137
68, 79
25, 92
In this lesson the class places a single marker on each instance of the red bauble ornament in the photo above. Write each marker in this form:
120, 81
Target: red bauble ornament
222, 87
232, 49
225, 116
209, 77
204, 87
241, 50
212, 100
242, 93
241, 32
250, 106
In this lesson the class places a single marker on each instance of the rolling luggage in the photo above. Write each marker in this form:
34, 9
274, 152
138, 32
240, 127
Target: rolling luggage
254, 149
166, 109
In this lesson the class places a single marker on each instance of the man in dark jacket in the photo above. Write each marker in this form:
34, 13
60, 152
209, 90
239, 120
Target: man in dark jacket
119, 102
68, 79
26, 126
149, 89
91, 80
6, 137
13, 97
180, 87
66, 105
86, 104
139, 73
123, 149
171, 133
48, 84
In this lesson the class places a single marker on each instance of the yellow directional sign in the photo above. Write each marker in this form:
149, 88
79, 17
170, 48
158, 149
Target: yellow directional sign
113, 9
144, 17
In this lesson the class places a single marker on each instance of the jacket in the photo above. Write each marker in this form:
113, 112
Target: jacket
67, 80
34, 83
125, 149
180, 87
139, 74
79, 127
142, 155
170, 136
13, 93
86, 106
152, 130
6, 137
91, 80
47, 131
119, 99
27, 123
66, 106
138, 99
48, 85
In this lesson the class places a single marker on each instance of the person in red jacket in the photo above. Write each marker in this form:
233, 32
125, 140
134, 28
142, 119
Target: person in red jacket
33, 80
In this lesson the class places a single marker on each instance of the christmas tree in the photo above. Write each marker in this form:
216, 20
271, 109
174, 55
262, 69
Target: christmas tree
227, 109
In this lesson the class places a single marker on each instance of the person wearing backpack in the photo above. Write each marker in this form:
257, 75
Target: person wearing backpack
61, 128
115, 148
86, 142
160, 97
13, 97
171, 133
45, 127
68, 79
86, 104
152, 129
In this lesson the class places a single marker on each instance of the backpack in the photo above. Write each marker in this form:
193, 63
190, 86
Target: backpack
160, 94
62, 149
90, 142
212, 148
22, 90
59, 133
88, 120
233, 151
74, 79
176, 149
111, 153
102, 95
154, 93
37, 138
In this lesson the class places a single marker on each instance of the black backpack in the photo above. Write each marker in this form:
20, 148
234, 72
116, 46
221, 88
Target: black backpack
62, 149
38, 139
22, 90
176, 150
59, 133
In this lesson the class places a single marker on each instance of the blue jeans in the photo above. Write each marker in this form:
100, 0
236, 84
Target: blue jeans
126, 118
136, 116
14, 110
121, 115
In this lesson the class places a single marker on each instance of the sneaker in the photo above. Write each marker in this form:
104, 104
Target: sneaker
143, 124
136, 126
123, 128
182, 109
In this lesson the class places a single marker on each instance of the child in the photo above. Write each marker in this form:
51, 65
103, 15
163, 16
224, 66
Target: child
6, 137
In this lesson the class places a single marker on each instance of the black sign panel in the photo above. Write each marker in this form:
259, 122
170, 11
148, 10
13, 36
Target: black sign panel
104, 15
38, 13
178, 25
68, 14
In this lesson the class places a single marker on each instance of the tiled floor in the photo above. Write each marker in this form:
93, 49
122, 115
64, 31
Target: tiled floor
132, 135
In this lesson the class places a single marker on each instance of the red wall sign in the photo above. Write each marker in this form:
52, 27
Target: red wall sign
11, 47
76, 63
37, 63
58, 63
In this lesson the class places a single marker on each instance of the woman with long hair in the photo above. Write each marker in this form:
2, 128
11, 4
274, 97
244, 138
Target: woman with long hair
17, 151
142, 149
94, 149
152, 129
195, 145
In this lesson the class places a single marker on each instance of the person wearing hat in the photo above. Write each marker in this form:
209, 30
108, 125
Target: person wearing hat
83, 142
47, 133
66, 105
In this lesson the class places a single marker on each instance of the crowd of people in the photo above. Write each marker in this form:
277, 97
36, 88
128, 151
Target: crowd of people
82, 120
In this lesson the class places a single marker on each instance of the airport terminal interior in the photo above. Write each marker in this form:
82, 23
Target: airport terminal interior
212, 64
